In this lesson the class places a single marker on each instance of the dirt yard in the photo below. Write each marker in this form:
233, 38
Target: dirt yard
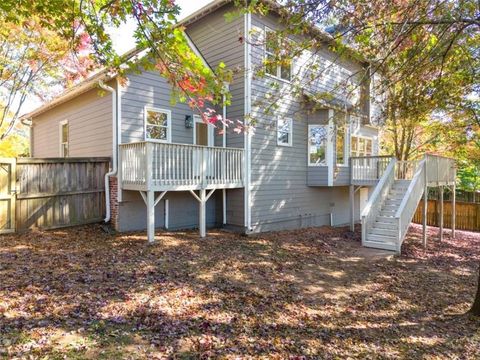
80, 293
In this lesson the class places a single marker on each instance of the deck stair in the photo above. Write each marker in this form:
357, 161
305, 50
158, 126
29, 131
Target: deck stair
390, 209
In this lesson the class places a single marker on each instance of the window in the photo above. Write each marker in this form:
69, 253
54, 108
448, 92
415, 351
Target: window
157, 124
340, 145
317, 145
277, 63
284, 132
361, 146
64, 137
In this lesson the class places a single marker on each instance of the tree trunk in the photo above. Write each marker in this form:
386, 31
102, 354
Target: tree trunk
475, 309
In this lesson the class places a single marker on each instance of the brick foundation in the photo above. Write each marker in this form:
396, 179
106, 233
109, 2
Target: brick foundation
113, 202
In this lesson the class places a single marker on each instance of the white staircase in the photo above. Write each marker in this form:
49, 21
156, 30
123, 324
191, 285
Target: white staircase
383, 232
390, 208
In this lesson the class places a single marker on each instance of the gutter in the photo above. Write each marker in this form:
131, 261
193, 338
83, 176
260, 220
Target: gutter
114, 148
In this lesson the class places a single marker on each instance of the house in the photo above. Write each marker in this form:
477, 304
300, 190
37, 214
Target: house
299, 168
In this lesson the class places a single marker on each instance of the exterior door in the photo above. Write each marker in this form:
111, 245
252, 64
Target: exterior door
202, 133
363, 198
7, 195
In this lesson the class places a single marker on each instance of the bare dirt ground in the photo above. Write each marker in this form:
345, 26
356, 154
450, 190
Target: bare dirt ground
80, 293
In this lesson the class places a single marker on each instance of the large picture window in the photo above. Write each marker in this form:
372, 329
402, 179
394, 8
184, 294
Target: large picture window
317, 145
157, 124
284, 132
277, 63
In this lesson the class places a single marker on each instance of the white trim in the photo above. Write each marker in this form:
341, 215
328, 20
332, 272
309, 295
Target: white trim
119, 140
169, 123
60, 139
290, 135
310, 126
330, 147
247, 113
210, 132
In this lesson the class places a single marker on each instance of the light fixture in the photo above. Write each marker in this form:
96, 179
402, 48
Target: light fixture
188, 121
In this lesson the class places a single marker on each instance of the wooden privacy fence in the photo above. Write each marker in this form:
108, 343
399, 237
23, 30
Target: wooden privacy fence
51, 193
467, 215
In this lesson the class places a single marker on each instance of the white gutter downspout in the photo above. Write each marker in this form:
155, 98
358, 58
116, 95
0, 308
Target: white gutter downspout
114, 149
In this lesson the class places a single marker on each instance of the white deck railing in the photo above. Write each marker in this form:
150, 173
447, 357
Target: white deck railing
368, 168
165, 166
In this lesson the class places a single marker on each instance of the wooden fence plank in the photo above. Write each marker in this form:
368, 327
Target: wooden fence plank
55, 193
467, 215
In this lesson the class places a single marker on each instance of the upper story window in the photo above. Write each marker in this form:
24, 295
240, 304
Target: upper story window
277, 61
361, 146
340, 146
284, 132
317, 145
64, 138
158, 124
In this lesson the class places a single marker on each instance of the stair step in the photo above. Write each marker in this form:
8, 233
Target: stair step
385, 225
393, 202
397, 191
395, 197
377, 245
389, 207
386, 239
383, 232
386, 219
402, 182
388, 213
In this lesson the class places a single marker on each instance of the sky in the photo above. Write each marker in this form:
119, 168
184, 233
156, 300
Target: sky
123, 40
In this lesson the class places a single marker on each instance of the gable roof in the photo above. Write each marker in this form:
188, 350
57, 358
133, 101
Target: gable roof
104, 75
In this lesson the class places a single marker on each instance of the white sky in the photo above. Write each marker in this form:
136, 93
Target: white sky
123, 40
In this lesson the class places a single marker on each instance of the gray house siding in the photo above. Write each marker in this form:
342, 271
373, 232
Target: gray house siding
281, 197
218, 41
89, 117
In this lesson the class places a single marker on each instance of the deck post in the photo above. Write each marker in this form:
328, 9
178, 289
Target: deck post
151, 216
453, 210
224, 206
425, 214
166, 204
441, 214
352, 207
202, 213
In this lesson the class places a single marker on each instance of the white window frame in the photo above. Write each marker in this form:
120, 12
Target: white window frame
310, 126
169, 124
210, 132
278, 76
290, 135
61, 124
346, 150
361, 137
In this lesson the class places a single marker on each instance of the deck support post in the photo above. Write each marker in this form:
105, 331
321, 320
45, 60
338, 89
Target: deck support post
441, 214
202, 213
352, 207
424, 216
224, 206
150, 216
453, 210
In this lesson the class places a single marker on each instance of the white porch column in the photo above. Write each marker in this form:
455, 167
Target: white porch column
224, 206
150, 216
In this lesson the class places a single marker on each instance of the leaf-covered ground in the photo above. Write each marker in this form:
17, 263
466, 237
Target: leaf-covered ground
80, 293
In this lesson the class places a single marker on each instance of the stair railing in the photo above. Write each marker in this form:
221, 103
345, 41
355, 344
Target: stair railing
380, 193
408, 206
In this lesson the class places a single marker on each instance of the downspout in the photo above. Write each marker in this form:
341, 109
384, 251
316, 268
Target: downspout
114, 149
